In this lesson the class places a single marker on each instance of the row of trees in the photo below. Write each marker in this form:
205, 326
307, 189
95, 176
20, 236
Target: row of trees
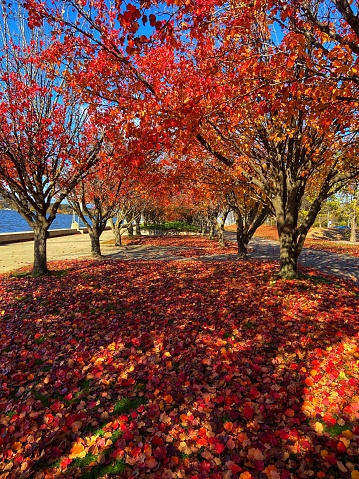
262, 97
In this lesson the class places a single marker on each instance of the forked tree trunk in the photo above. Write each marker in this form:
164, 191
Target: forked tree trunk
40, 254
247, 224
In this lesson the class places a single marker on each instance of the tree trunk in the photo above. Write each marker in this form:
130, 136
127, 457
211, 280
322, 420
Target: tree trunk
129, 219
95, 243
212, 228
286, 207
288, 253
137, 227
353, 223
242, 239
118, 236
220, 227
40, 256
242, 245
353, 227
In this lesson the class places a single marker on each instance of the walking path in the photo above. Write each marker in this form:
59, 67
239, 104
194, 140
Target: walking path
342, 265
16, 255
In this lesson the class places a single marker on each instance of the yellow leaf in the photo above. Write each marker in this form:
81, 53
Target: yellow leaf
318, 427
324, 454
345, 441
348, 434
184, 448
77, 450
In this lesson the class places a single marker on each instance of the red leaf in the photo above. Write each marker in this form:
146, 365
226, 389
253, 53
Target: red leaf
248, 412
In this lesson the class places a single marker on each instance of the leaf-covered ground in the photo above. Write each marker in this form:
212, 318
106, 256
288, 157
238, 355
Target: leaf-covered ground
186, 246
178, 369
270, 232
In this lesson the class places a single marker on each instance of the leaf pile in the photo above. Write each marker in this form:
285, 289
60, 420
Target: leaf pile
178, 370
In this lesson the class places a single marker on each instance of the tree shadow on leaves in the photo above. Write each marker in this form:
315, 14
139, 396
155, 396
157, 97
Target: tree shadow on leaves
224, 372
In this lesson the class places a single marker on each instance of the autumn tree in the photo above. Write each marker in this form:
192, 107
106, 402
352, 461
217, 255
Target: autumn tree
233, 193
275, 117
284, 150
99, 197
215, 76
48, 140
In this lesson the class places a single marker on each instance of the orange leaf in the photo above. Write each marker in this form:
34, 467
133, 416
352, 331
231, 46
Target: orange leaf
309, 381
16, 446
228, 426
77, 450
168, 399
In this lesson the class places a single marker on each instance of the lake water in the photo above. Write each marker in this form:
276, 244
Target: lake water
12, 222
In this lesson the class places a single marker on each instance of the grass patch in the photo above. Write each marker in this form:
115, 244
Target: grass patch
101, 470
335, 430
125, 405
170, 226
249, 324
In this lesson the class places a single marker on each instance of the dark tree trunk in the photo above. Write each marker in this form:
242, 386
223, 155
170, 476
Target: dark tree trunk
137, 227
95, 242
247, 222
287, 211
291, 237
288, 253
242, 245
129, 220
40, 255
241, 237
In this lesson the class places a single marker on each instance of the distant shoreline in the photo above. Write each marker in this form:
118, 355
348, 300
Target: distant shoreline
12, 222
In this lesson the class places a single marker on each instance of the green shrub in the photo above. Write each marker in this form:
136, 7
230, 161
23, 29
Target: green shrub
172, 225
